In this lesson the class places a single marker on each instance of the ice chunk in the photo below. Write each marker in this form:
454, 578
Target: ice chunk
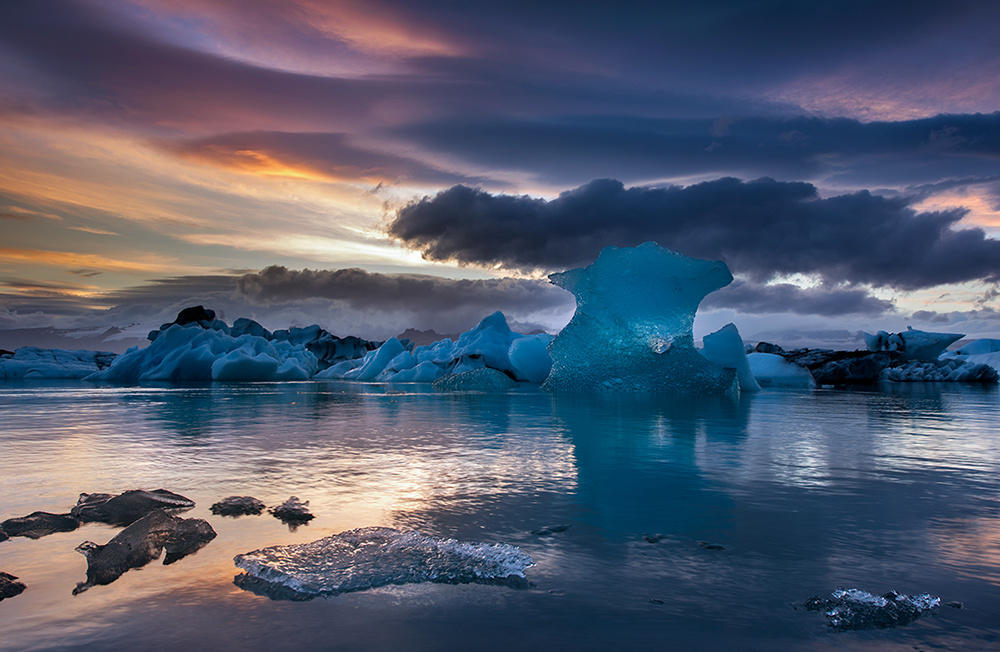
912, 344
375, 364
725, 348
242, 364
772, 370
851, 609
529, 357
957, 370
378, 556
425, 372
632, 330
477, 380
34, 363
978, 347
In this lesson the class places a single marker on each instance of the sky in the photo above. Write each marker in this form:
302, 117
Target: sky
374, 166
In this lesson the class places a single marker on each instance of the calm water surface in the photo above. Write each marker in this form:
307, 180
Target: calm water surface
807, 492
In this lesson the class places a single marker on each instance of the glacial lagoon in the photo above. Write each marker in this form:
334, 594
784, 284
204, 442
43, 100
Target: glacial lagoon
754, 505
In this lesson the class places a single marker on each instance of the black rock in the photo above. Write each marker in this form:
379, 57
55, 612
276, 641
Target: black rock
3, 535
705, 545
767, 347
654, 538
39, 524
238, 506
127, 507
549, 530
851, 609
140, 543
9, 586
194, 314
293, 511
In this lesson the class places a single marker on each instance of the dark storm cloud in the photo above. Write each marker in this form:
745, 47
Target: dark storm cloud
369, 290
574, 149
751, 298
760, 228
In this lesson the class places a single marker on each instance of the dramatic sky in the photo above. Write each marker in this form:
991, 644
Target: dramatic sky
376, 165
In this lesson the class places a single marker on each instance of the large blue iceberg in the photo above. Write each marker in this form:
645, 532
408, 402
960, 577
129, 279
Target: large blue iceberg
632, 330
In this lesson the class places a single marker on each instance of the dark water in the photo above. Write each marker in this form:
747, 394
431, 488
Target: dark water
806, 491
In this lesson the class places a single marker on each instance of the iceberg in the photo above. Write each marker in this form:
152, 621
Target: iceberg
476, 380
725, 347
912, 344
30, 362
490, 345
370, 557
632, 329
984, 351
953, 370
772, 370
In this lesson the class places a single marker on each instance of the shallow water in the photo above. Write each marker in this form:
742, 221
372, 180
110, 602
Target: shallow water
806, 492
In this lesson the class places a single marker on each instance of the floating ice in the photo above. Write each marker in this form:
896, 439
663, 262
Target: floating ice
725, 348
957, 370
378, 556
772, 370
490, 345
849, 609
477, 380
632, 330
984, 351
912, 344
30, 362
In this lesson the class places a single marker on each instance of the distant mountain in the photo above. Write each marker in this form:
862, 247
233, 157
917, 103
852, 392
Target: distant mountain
110, 339
419, 338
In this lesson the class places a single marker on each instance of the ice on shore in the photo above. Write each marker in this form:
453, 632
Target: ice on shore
378, 556
34, 363
632, 329
772, 370
725, 347
912, 344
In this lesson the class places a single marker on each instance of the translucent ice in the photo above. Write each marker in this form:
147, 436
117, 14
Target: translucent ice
725, 347
772, 370
378, 556
632, 330
852, 609
33, 363
913, 344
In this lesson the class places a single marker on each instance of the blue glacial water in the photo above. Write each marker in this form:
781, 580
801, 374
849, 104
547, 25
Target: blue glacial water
806, 491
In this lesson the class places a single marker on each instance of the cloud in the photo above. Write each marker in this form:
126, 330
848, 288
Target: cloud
763, 229
571, 149
318, 156
750, 298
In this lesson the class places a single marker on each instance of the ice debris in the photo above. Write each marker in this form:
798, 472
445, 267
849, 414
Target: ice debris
32, 363
140, 543
725, 348
850, 609
912, 344
984, 351
237, 506
378, 556
632, 329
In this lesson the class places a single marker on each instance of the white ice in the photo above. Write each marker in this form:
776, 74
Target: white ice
725, 348
913, 344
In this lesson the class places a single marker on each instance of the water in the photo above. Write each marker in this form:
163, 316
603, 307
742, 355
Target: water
806, 492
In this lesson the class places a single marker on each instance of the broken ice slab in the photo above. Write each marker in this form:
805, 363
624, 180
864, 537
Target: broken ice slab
370, 557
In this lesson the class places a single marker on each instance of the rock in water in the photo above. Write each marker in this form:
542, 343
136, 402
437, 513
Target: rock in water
293, 511
140, 543
238, 506
9, 586
632, 330
378, 556
725, 348
127, 507
848, 609
39, 524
